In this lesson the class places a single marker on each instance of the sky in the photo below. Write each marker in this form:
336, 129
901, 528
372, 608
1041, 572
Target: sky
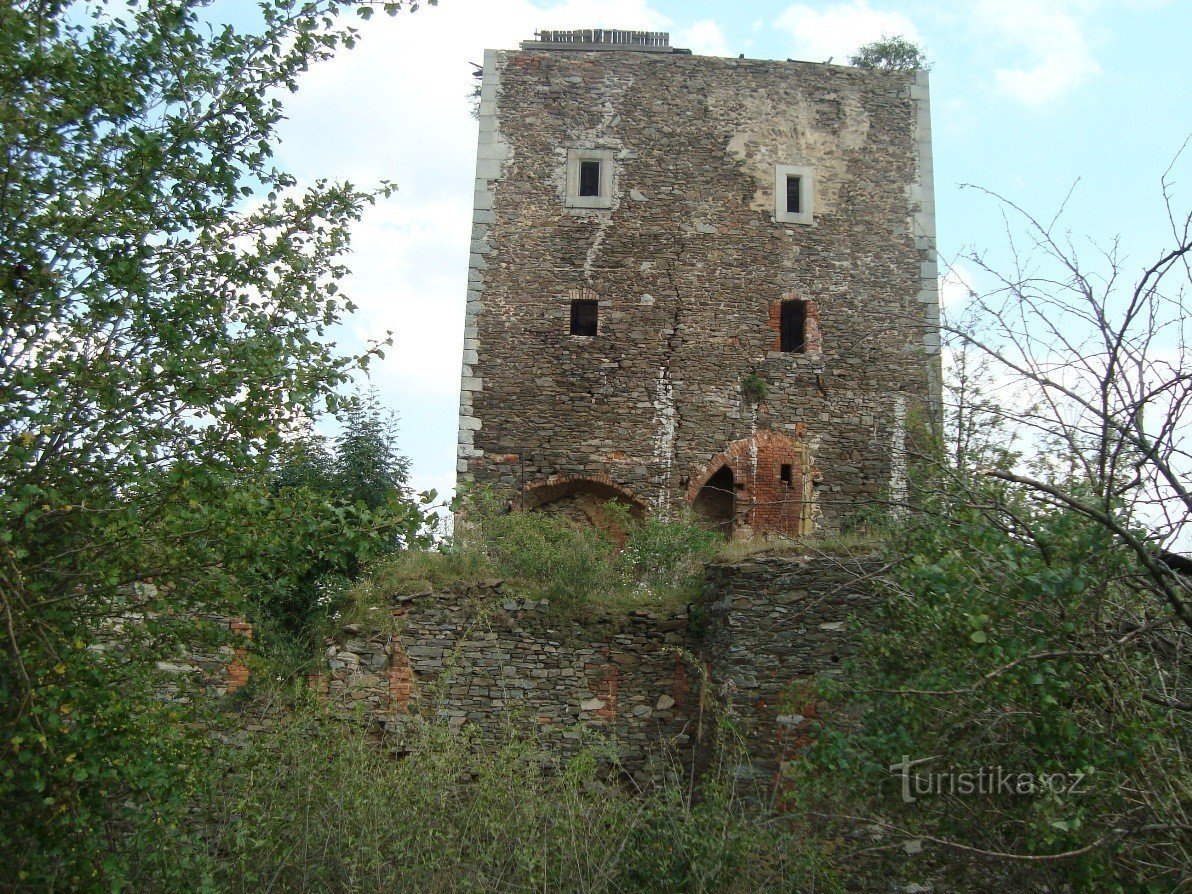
1029, 97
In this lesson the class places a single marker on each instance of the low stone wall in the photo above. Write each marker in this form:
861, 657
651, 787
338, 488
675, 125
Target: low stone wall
216, 668
763, 630
775, 626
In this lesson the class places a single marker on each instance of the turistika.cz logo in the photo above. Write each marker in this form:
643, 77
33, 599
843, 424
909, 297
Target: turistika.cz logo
982, 781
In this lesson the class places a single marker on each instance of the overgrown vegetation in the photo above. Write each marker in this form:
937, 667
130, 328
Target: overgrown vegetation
1021, 653
168, 293
360, 476
578, 568
168, 296
1037, 623
310, 806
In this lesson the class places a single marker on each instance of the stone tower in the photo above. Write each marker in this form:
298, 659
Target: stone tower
697, 282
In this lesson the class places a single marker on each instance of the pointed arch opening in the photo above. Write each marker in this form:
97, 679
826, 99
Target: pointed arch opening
715, 502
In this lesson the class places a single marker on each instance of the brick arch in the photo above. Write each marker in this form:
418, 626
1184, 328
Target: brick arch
540, 493
583, 499
582, 293
765, 501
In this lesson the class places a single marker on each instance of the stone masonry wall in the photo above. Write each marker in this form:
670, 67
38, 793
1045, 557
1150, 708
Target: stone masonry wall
688, 266
486, 659
776, 626
217, 668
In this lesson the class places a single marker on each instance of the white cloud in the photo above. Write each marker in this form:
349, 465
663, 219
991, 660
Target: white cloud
704, 38
956, 286
396, 107
837, 31
1046, 42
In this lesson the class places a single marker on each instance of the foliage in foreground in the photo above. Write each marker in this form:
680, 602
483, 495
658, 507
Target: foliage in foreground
1011, 638
168, 293
312, 807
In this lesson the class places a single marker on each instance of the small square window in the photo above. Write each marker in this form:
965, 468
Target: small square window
785, 473
585, 316
589, 178
794, 194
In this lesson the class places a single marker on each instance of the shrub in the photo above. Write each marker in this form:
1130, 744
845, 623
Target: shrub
753, 387
314, 806
668, 555
569, 566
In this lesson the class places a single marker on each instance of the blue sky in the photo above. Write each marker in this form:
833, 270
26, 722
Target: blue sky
1027, 96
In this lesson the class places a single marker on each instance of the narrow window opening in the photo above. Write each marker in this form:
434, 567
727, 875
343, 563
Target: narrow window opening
794, 326
794, 194
584, 314
589, 178
785, 474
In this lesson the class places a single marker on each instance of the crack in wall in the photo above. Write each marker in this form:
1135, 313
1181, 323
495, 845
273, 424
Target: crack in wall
667, 417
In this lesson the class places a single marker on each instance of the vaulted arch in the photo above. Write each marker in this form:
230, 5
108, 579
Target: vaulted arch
772, 485
582, 499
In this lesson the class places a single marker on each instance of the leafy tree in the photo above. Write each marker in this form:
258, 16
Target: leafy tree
363, 477
368, 469
1038, 617
896, 53
167, 292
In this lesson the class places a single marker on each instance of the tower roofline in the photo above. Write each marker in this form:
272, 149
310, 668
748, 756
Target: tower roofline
589, 39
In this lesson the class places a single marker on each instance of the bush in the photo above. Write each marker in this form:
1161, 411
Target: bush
361, 479
314, 806
569, 566
1008, 645
668, 555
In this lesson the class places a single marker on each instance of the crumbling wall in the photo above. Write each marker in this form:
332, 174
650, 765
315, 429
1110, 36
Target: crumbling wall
689, 267
217, 668
646, 684
776, 626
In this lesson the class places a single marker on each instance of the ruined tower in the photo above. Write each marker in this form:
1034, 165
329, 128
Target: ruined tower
697, 281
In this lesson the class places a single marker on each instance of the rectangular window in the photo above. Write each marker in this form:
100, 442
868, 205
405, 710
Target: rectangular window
794, 194
589, 178
584, 316
785, 474
794, 326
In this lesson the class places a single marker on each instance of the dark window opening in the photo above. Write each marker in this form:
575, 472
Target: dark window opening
794, 326
589, 178
785, 474
584, 316
794, 194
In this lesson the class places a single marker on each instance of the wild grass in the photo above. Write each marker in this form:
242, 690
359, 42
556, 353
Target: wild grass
312, 805
860, 543
577, 569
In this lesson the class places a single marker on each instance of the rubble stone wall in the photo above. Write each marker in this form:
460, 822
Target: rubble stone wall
647, 684
689, 267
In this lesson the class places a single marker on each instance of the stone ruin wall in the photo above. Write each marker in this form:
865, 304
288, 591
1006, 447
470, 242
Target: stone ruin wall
689, 269
646, 684
215, 668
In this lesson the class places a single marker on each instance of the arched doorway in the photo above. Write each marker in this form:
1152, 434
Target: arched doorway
583, 502
715, 502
